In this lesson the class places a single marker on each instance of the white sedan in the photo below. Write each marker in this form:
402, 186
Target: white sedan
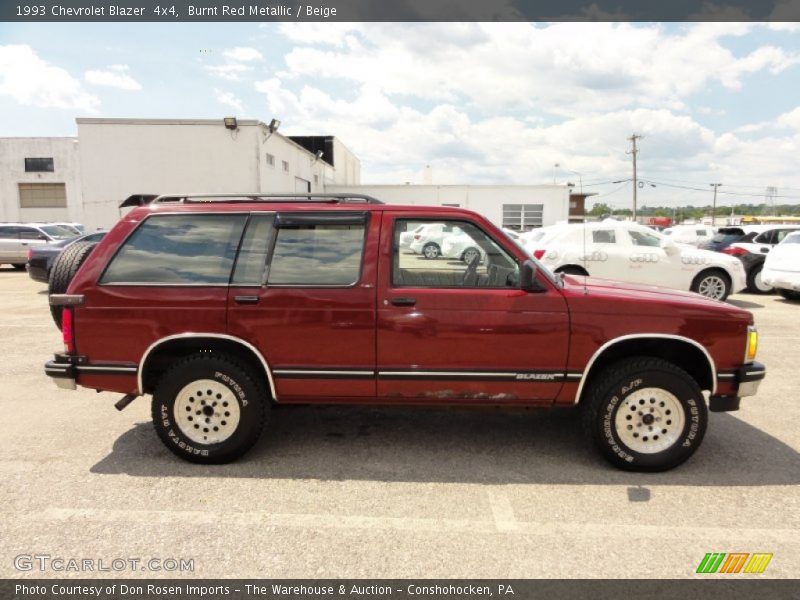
632, 252
428, 239
461, 246
782, 267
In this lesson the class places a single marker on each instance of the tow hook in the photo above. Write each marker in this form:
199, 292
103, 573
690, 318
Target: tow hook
124, 401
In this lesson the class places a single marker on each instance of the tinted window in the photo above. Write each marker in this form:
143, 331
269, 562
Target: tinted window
179, 249
640, 238
38, 164
251, 263
8, 232
604, 236
468, 258
28, 233
317, 255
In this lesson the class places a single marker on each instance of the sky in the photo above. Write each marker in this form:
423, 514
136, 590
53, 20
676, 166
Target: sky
493, 103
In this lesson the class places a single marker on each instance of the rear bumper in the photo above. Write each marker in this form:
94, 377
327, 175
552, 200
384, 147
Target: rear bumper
747, 379
785, 280
63, 370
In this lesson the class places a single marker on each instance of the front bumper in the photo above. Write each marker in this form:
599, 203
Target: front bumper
747, 378
785, 280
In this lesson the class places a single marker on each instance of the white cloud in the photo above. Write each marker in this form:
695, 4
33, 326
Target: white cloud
34, 82
229, 71
242, 54
116, 76
228, 99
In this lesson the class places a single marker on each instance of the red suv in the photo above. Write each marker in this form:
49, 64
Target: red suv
223, 306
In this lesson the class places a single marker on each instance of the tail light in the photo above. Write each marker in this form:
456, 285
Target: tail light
538, 254
68, 329
418, 236
30, 253
733, 251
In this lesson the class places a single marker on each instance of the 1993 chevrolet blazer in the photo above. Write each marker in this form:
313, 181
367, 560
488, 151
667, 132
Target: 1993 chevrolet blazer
222, 306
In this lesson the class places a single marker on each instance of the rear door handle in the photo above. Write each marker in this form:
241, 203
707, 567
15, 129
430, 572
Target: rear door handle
246, 299
404, 301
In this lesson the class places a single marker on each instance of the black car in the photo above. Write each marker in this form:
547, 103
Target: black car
41, 258
726, 236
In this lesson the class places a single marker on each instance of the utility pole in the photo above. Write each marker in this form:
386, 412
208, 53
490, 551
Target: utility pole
714, 208
633, 153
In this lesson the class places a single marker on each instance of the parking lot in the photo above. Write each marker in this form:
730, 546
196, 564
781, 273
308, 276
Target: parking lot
388, 492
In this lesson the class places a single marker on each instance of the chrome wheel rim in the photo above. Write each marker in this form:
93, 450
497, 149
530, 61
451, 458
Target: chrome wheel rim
431, 251
207, 411
760, 285
712, 286
650, 420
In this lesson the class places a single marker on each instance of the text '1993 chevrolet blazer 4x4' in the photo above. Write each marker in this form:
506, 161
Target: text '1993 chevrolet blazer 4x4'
222, 306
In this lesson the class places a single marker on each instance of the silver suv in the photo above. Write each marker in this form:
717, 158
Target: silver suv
17, 238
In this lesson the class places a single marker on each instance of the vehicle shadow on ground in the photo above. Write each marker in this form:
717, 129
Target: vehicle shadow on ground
488, 446
745, 304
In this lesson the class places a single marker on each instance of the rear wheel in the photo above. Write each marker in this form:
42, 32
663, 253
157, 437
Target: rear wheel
712, 283
64, 268
645, 414
789, 294
431, 250
755, 283
19, 266
209, 409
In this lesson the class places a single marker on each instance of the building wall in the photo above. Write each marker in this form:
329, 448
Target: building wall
487, 200
64, 152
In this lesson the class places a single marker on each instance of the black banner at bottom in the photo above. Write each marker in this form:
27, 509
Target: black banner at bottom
401, 589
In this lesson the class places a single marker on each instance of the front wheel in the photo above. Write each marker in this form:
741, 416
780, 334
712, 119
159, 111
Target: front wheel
209, 409
645, 414
714, 284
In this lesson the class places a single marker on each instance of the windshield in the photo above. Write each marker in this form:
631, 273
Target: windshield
58, 232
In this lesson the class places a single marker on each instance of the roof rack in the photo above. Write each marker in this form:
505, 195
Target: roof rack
256, 197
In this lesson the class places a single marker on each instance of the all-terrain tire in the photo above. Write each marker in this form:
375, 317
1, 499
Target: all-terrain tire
645, 414
209, 408
64, 268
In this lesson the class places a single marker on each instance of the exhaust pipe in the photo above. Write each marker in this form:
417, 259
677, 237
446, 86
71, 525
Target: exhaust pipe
124, 401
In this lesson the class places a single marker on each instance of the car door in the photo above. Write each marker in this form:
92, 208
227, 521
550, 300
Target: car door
9, 243
29, 237
650, 263
303, 293
603, 252
452, 332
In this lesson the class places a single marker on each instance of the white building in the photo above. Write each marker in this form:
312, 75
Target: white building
518, 207
40, 180
84, 179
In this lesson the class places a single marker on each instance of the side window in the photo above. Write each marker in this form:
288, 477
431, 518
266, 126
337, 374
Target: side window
779, 235
604, 236
178, 250
641, 238
28, 233
451, 254
764, 238
317, 251
252, 260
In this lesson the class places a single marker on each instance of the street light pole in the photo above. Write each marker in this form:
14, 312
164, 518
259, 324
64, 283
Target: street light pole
714, 207
633, 153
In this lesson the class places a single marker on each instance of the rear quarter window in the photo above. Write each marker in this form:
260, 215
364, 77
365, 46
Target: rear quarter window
178, 250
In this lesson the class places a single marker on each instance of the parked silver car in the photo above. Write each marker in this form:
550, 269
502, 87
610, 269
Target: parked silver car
17, 238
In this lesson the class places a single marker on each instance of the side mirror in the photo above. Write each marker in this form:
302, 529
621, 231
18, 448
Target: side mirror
42, 236
670, 247
527, 277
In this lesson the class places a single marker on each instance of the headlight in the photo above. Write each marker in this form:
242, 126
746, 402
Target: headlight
752, 344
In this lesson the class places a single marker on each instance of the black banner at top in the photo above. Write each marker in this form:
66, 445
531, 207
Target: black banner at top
397, 10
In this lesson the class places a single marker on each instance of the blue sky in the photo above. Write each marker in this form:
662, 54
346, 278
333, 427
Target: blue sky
479, 103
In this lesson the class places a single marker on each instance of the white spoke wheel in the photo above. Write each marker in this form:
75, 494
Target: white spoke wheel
712, 284
206, 411
430, 251
650, 420
645, 414
210, 408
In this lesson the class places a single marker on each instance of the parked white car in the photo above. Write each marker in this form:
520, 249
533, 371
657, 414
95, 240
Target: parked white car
694, 235
407, 237
461, 246
782, 267
635, 253
767, 239
428, 239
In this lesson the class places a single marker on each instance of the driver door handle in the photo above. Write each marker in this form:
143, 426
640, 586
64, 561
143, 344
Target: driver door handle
404, 301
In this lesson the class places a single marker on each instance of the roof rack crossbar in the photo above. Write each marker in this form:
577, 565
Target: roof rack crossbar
256, 197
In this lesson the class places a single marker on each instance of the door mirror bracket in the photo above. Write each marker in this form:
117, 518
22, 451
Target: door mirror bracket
527, 278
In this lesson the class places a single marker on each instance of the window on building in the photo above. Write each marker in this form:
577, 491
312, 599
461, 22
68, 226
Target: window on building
317, 254
42, 195
178, 250
522, 217
285, 166
270, 160
34, 165
316, 180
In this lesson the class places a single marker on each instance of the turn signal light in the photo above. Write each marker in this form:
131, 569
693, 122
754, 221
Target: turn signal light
752, 343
